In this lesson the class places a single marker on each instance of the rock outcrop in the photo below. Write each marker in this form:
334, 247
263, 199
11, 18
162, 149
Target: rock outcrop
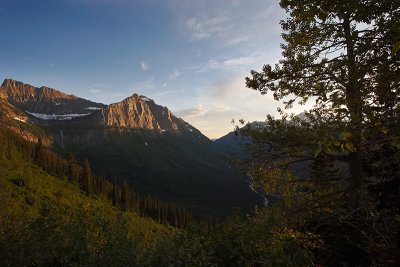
136, 112
45, 100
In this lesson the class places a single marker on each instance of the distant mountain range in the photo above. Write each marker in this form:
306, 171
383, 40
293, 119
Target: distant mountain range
241, 148
237, 145
135, 139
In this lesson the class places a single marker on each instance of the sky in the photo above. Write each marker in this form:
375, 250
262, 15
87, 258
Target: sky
189, 55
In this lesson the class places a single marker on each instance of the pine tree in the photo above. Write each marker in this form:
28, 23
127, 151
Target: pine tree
6, 150
114, 193
338, 52
87, 178
324, 170
125, 196
39, 157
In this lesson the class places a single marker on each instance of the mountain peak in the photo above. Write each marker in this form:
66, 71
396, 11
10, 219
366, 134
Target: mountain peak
138, 112
17, 91
145, 98
9, 81
136, 97
44, 100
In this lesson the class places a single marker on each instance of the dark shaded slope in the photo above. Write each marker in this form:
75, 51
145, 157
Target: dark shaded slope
185, 167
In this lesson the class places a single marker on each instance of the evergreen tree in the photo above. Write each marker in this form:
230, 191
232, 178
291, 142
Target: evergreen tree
73, 169
125, 196
115, 193
39, 157
6, 150
87, 178
337, 52
324, 169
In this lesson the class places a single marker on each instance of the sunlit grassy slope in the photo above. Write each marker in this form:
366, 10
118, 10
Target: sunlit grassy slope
44, 220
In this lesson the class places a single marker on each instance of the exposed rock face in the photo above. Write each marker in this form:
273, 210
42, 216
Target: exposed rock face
3, 94
70, 120
45, 100
18, 122
137, 112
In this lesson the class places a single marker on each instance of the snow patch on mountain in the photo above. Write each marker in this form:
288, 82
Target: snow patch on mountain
56, 116
146, 99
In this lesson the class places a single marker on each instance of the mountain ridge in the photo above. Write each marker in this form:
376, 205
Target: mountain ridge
136, 112
45, 100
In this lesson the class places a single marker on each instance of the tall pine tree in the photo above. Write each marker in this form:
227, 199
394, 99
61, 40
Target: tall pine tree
72, 169
339, 54
87, 178
125, 196
114, 196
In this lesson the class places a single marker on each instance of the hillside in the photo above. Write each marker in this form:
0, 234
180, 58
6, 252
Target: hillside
45, 220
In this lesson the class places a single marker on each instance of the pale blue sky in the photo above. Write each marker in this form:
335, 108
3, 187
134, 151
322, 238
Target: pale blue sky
191, 56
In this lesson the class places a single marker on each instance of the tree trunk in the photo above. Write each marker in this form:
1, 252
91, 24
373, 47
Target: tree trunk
354, 104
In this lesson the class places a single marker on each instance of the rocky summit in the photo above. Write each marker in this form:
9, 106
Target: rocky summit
137, 112
45, 100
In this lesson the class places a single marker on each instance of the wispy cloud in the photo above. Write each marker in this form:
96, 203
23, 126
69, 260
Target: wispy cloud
228, 22
175, 74
233, 64
203, 28
148, 84
96, 88
163, 93
94, 91
144, 66
191, 112
240, 61
99, 85
202, 110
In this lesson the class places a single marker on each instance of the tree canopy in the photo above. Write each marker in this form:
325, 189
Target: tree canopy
340, 54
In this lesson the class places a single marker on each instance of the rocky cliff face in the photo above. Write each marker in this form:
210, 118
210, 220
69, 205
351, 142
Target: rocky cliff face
2, 94
70, 120
18, 122
136, 112
45, 100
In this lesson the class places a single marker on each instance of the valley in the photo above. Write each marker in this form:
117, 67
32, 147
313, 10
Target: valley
134, 140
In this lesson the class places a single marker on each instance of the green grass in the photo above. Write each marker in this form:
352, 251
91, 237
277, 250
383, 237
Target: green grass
45, 220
